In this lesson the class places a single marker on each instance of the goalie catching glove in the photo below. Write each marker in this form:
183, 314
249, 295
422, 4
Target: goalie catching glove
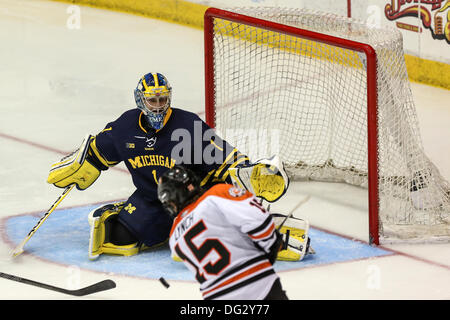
75, 168
294, 232
266, 178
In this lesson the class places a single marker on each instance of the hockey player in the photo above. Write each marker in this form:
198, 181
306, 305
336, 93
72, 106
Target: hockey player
150, 139
225, 237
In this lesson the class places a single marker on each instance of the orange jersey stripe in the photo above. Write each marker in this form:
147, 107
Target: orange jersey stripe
265, 234
239, 276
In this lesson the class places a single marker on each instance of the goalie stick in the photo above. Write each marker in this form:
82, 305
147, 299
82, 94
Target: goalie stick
96, 287
19, 249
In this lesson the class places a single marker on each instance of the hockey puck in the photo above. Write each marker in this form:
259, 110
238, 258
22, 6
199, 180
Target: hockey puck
164, 282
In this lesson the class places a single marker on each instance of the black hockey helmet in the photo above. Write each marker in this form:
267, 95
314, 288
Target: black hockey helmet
177, 188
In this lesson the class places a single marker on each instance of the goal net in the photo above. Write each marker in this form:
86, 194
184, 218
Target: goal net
331, 96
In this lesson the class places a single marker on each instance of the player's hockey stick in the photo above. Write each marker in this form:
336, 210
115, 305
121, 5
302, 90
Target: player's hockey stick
96, 287
301, 202
19, 249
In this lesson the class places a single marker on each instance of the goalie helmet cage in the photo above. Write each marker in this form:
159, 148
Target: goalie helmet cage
332, 95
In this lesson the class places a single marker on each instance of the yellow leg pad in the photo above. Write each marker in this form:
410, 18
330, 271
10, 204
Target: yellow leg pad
289, 255
97, 245
294, 232
176, 258
96, 237
127, 250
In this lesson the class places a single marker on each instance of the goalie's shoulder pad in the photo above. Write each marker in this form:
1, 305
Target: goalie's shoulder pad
74, 168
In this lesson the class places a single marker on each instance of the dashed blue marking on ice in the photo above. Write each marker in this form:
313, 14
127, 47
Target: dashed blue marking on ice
64, 239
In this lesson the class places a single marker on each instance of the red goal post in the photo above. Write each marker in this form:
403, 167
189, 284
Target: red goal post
213, 13
388, 158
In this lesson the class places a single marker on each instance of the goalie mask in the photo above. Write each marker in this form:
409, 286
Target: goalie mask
153, 94
177, 188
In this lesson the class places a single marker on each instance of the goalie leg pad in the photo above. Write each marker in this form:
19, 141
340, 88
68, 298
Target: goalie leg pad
295, 235
266, 178
100, 221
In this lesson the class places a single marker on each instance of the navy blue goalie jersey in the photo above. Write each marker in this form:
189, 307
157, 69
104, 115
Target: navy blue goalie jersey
184, 139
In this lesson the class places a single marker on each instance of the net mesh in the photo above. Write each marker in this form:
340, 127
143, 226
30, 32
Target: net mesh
307, 102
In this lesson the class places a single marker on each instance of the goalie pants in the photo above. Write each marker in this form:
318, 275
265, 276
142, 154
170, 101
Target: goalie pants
276, 292
145, 219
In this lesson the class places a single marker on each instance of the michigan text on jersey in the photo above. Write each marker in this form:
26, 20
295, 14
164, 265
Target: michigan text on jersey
151, 160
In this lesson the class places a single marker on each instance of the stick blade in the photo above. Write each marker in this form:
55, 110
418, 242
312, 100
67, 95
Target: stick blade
97, 287
17, 251
14, 254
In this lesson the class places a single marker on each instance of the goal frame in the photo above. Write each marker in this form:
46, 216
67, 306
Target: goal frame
372, 105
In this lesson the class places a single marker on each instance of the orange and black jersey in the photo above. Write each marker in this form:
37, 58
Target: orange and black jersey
148, 153
225, 238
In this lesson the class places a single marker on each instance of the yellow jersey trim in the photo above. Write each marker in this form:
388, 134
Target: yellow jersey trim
97, 154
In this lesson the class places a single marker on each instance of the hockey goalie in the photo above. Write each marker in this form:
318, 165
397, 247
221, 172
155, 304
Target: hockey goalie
143, 139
